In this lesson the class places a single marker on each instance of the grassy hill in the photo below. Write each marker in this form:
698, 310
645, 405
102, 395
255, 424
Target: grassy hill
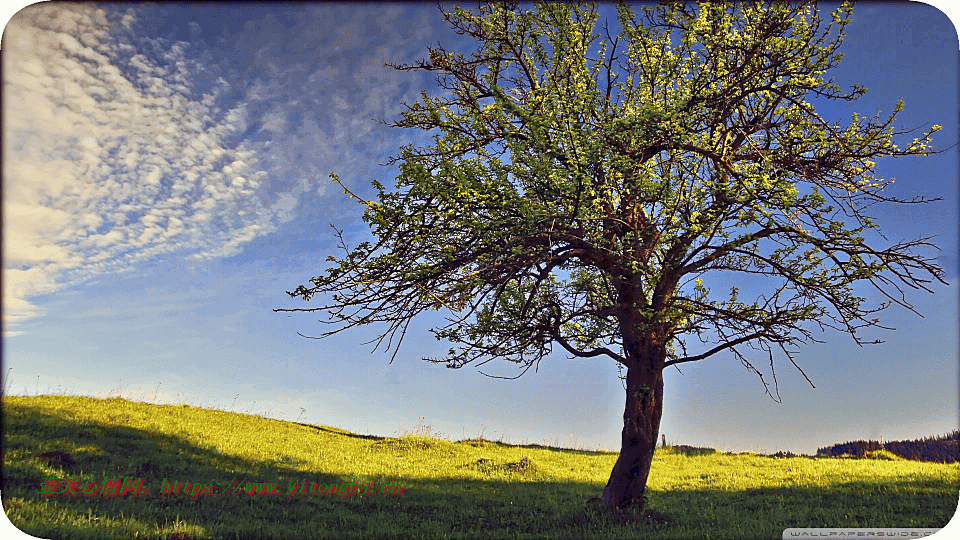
466, 489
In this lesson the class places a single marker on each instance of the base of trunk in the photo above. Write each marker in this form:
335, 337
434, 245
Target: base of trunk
641, 426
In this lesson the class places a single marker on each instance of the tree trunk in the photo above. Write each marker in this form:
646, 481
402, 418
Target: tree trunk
641, 424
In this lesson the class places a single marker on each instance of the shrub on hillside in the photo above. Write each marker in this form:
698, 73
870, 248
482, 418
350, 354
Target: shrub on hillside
884, 455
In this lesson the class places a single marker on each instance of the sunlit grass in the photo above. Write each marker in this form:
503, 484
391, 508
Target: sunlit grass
466, 489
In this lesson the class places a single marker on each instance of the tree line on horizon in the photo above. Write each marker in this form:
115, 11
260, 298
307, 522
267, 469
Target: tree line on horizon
938, 449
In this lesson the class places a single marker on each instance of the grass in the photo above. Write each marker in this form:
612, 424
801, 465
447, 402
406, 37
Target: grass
467, 489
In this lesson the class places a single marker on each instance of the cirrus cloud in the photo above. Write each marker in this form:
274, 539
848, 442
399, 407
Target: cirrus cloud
123, 144
113, 155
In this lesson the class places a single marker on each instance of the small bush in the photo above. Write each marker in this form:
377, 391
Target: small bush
524, 468
689, 451
884, 455
404, 444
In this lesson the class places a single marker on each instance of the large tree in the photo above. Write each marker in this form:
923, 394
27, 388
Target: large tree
585, 181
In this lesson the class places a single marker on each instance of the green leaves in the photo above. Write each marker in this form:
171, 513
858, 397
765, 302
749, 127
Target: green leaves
585, 185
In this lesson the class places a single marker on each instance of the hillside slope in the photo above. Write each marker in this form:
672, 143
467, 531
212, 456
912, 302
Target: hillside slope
252, 477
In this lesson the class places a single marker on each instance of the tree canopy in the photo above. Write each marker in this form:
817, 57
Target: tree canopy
585, 183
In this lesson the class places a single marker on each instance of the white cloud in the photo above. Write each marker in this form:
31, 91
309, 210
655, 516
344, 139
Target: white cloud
113, 157
120, 147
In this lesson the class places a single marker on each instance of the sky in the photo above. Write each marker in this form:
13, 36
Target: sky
165, 182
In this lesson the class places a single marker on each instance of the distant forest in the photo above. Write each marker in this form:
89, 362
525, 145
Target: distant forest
942, 449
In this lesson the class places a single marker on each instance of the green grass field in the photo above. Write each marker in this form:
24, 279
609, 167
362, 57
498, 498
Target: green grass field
466, 489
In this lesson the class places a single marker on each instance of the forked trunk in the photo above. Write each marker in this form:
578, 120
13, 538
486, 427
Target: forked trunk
641, 424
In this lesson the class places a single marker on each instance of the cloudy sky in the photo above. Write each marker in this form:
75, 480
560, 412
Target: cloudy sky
165, 181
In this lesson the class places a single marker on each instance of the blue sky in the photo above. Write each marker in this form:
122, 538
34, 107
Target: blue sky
165, 181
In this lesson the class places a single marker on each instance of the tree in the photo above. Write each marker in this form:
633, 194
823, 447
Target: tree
580, 188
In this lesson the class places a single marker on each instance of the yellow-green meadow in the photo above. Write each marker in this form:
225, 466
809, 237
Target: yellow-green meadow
466, 489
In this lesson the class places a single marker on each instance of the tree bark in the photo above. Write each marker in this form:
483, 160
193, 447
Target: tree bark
641, 424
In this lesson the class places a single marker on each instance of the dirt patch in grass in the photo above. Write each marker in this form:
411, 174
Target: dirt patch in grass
58, 459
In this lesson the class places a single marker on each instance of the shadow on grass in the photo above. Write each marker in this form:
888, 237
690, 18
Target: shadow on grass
335, 431
749, 513
428, 508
